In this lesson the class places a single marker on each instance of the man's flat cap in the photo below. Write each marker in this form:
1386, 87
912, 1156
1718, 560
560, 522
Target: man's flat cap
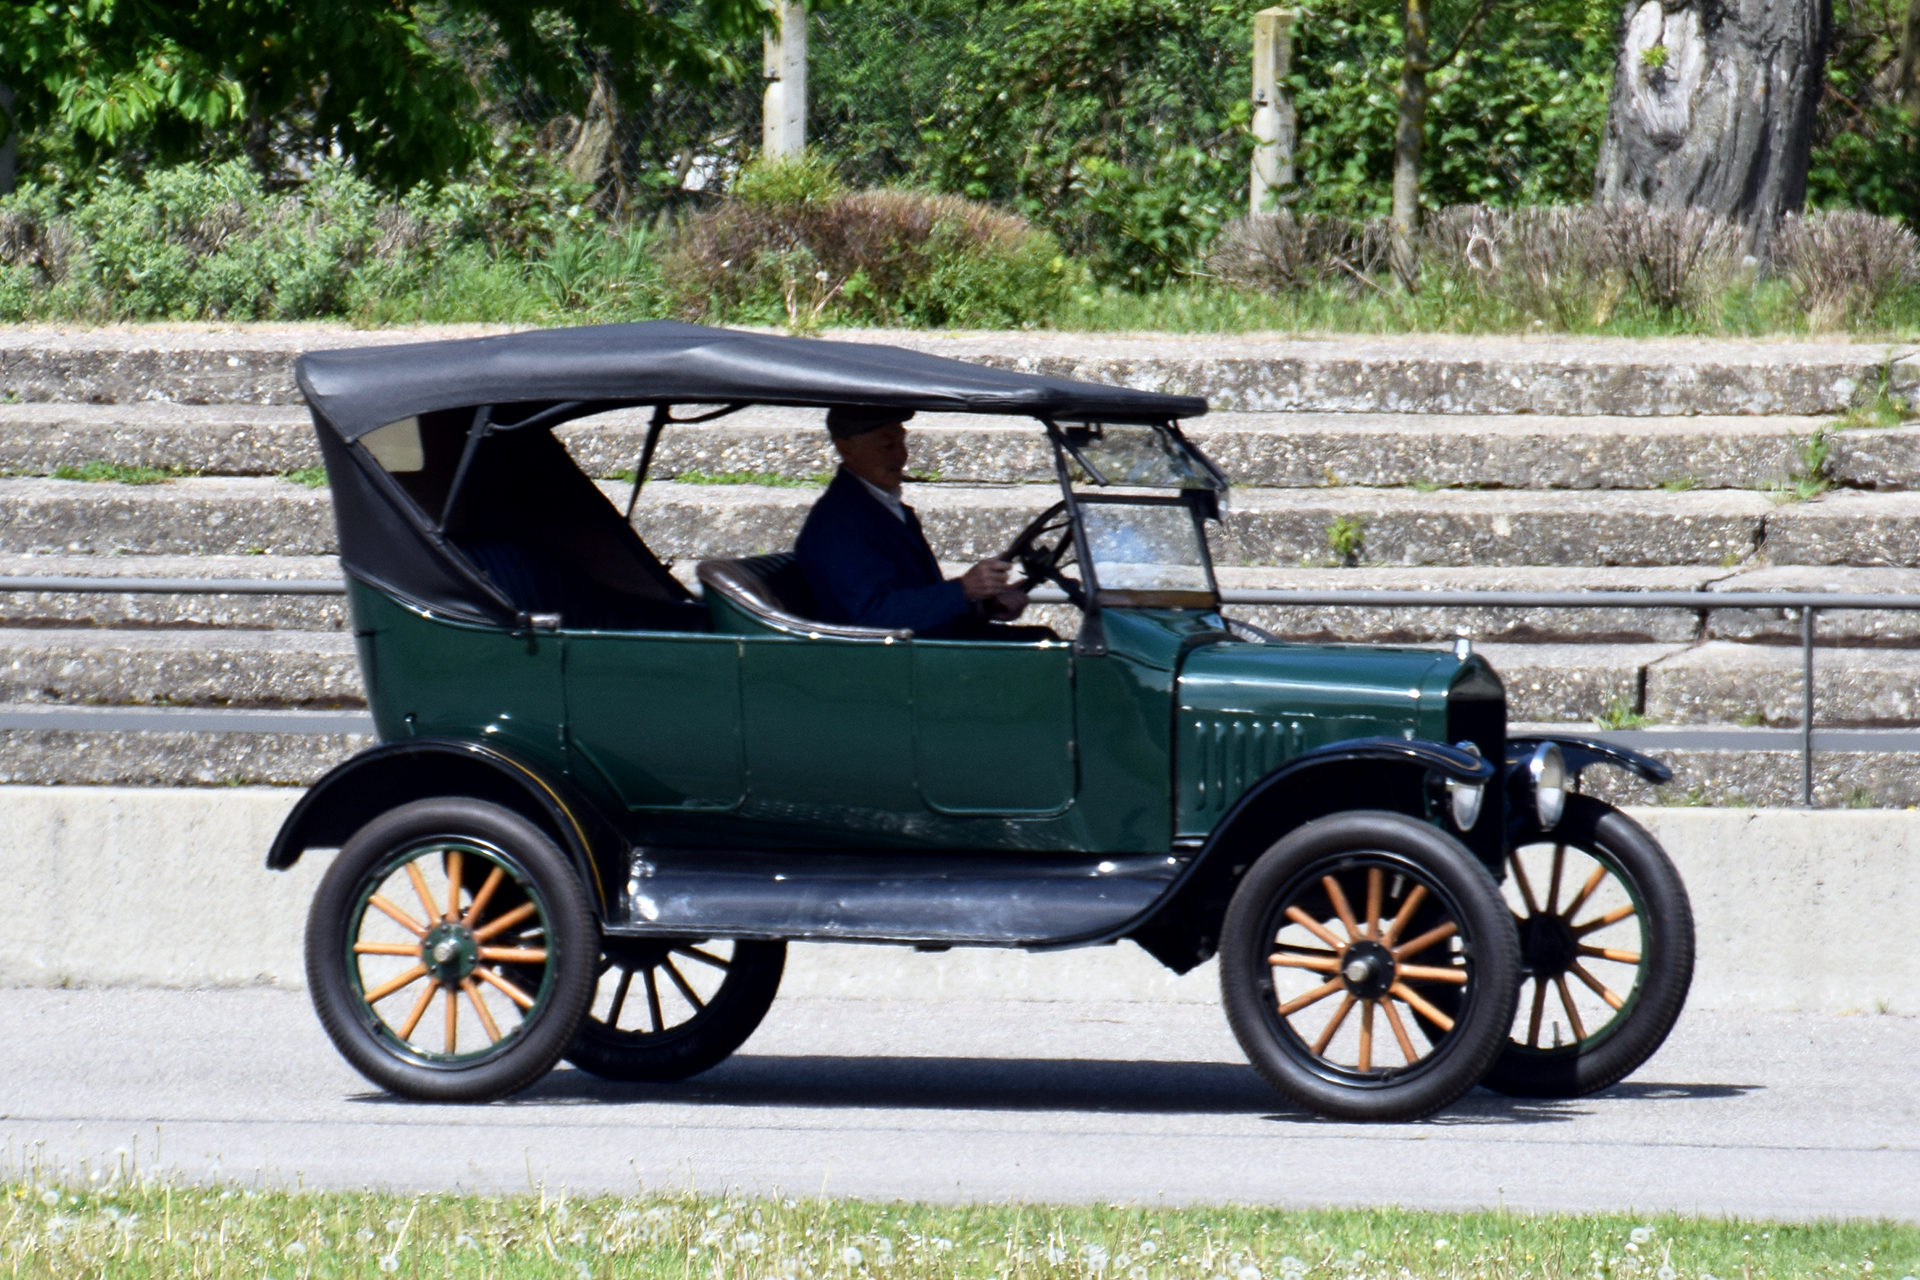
847, 420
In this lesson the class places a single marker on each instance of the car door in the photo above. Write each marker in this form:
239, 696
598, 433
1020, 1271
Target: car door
993, 726
829, 733
657, 714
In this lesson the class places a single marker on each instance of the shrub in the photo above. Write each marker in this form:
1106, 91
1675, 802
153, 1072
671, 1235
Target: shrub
1279, 252
1843, 263
868, 257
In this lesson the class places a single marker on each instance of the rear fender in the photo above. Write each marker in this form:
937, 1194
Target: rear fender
398, 773
1393, 774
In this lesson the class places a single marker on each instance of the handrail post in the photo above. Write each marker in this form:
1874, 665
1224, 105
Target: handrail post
1806, 707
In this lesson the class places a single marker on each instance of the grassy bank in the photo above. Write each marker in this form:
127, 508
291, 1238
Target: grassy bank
147, 1231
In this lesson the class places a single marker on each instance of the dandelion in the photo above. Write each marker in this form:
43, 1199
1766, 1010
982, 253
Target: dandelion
1148, 1248
578, 1237
389, 1262
364, 1235
295, 1249
1291, 1268
1632, 1247
1442, 1245
585, 1272
1248, 1272
464, 1241
1136, 1272
1056, 1255
1640, 1235
394, 1226
1096, 1256
1667, 1273
50, 1197
747, 1241
942, 1245
851, 1256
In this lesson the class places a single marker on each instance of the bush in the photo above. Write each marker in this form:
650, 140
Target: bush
1277, 252
1845, 264
867, 257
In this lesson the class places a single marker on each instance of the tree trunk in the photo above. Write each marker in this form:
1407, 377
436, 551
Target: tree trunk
1713, 105
1909, 86
1408, 136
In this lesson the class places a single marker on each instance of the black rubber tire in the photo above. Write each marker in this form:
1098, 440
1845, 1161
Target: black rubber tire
1666, 971
572, 941
1488, 945
699, 1044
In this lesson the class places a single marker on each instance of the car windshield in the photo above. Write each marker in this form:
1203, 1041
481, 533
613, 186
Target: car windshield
1145, 546
1139, 457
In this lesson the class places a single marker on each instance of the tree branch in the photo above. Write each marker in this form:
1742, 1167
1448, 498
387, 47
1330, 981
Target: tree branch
1467, 33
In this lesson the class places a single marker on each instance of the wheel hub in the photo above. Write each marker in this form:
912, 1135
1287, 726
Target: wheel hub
449, 952
1547, 945
1367, 968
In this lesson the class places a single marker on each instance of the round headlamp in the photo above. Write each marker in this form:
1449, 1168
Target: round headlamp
1547, 769
1464, 798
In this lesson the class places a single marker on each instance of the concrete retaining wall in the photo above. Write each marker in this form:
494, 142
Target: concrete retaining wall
152, 887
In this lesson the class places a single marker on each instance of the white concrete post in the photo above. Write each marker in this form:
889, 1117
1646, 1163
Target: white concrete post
1273, 123
783, 122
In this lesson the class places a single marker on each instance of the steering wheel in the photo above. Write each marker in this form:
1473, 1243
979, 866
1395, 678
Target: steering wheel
1043, 549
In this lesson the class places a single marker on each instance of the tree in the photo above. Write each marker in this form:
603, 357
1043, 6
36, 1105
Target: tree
1409, 137
178, 78
1713, 106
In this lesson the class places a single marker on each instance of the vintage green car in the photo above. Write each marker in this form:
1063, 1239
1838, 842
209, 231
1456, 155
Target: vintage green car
588, 775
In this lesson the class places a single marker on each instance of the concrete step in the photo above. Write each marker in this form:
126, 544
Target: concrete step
199, 517
179, 668
1270, 450
57, 757
1722, 682
1753, 776
1855, 626
1258, 373
241, 516
222, 439
1273, 526
131, 609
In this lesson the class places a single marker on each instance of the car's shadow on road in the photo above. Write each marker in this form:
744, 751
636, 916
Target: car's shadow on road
1087, 1085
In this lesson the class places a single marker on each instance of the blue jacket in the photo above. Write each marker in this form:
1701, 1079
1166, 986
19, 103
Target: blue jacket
868, 568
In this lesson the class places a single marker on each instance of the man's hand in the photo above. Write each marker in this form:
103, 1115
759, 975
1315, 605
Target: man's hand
987, 580
1007, 605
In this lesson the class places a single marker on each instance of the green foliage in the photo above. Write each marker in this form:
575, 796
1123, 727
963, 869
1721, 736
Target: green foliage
1346, 537
770, 479
1812, 469
1654, 55
1621, 714
117, 473
784, 185
1865, 151
384, 81
306, 477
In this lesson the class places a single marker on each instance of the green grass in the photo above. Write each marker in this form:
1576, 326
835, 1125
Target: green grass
769, 478
307, 477
138, 1232
117, 473
1621, 715
1346, 538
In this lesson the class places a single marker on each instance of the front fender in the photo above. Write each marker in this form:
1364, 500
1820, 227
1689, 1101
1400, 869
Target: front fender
385, 777
1581, 753
1362, 773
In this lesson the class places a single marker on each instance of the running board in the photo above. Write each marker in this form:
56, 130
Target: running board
934, 899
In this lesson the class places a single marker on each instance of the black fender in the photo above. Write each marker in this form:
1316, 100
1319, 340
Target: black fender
396, 773
1183, 927
1582, 753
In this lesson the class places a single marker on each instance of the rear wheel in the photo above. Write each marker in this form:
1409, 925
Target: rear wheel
450, 951
1339, 946
670, 1008
1606, 944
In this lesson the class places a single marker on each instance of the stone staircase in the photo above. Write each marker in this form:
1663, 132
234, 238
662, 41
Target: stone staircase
1433, 464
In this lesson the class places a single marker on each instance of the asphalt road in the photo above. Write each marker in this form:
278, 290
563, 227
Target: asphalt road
1756, 1115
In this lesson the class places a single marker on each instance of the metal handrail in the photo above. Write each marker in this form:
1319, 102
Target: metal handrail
1807, 603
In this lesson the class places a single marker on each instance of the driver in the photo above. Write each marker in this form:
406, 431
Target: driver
863, 553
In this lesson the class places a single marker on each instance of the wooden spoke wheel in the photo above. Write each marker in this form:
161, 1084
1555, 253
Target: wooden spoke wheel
669, 1008
1606, 947
450, 951
1336, 950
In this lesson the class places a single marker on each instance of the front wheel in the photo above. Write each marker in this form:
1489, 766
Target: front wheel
1387, 914
1606, 944
450, 951
669, 1008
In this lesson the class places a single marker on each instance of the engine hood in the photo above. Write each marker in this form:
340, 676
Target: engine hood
1245, 709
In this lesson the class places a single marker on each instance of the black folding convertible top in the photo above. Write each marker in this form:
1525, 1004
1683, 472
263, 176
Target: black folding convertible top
662, 362
483, 511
